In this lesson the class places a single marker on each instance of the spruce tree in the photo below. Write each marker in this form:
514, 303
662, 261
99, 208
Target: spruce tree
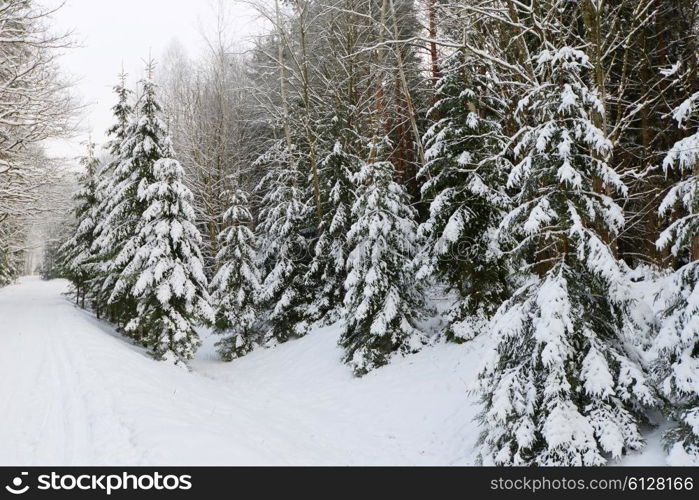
237, 282
562, 386
327, 271
54, 258
284, 253
105, 235
52, 262
170, 287
382, 302
464, 179
144, 144
77, 254
677, 344
7, 270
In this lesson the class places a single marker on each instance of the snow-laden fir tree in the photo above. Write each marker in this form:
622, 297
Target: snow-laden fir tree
8, 268
465, 178
5, 271
677, 343
144, 144
562, 386
284, 215
54, 260
235, 286
327, 271
12, 255
382, 302
105, 234
170, 287
77, 255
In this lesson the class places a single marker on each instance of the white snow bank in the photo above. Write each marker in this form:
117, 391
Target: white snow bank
75, 392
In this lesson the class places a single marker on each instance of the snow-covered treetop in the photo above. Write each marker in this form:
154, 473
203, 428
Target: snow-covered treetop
562, 153
122, 111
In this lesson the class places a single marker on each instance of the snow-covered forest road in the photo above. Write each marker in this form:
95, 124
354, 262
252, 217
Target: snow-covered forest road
72, 391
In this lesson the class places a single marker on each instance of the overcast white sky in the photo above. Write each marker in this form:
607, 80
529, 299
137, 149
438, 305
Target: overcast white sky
112, 33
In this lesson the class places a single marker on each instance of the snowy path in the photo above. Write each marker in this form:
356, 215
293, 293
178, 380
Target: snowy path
74, 392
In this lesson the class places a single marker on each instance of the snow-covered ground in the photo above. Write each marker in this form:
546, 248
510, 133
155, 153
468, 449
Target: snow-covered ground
72, 391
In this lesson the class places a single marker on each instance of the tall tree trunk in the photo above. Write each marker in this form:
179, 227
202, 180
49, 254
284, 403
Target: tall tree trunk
432, 28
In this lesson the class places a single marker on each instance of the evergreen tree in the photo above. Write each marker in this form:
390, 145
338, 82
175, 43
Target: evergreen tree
53, 261
237, 282
105, 235
144, 144
465, 178
327, 271
170, 286
562, 387
77, 255
54, 257
677, 344
8, 268
382, 303
284, 249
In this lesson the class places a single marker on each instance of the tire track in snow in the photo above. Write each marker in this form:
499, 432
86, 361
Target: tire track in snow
55, 410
